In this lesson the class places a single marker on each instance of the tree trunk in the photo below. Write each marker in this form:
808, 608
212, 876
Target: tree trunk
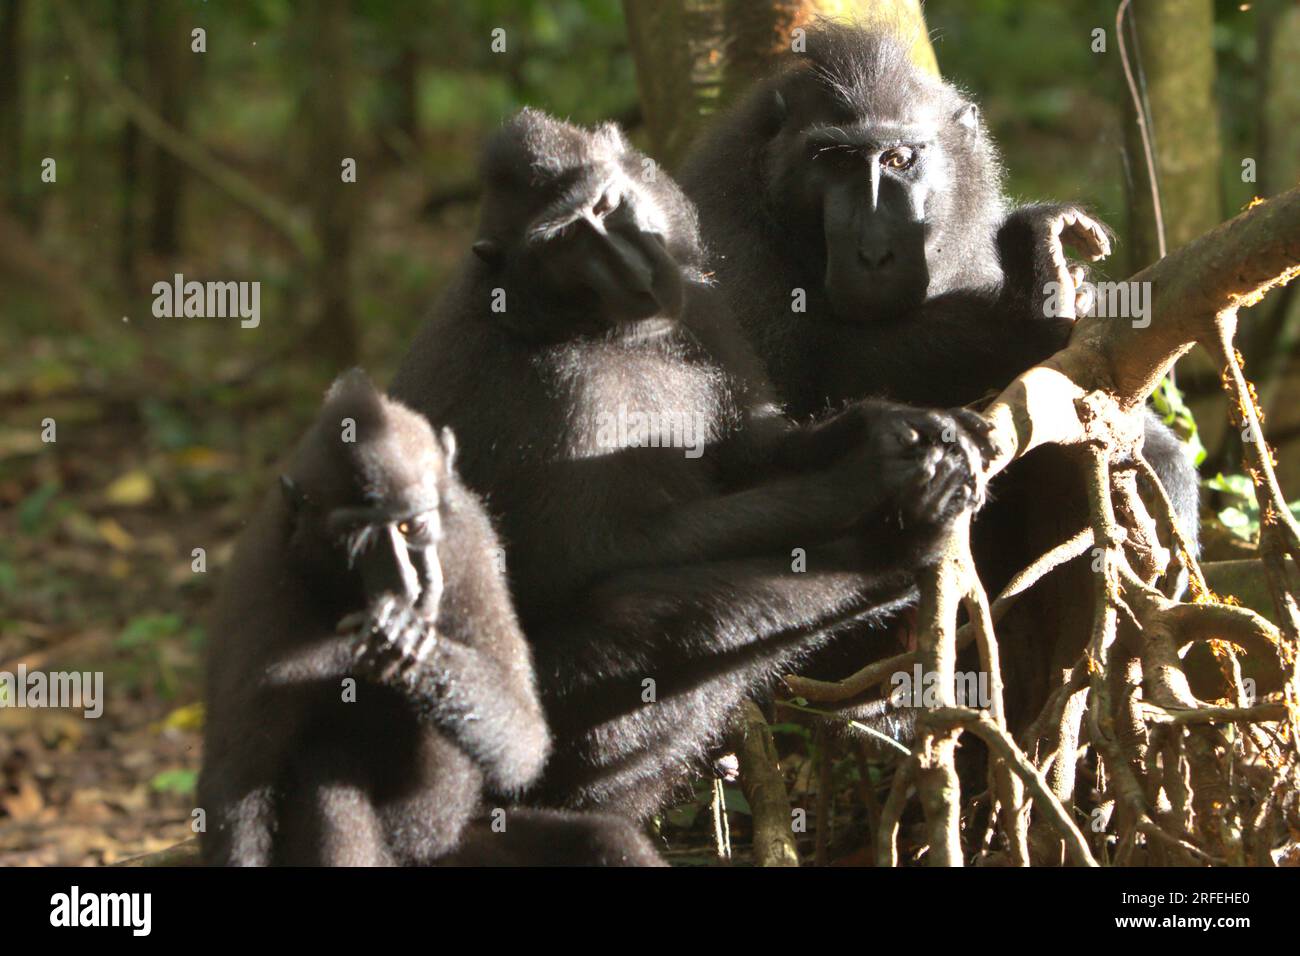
401, 113
168, 45
1173, 65
406, 89
1274, 324
128, 51
81, 190
332, 200
12, 41
1279, 51
398, 120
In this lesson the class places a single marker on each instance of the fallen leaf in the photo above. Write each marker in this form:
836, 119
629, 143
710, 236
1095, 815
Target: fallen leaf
118, 538
20, 441
189, 717
200, 456
133, 488
24, 802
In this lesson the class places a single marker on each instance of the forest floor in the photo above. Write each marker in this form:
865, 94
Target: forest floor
97, 575
166, 437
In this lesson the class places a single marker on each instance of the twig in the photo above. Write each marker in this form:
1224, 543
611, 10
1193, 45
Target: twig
764, 788
936, 743
185, 853
1143, 129
721, 830
875, 673
1214, 715
998, 741
892, 812
1010, 793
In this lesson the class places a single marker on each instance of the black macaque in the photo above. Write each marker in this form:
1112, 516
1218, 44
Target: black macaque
651, 495
368, 680
874, 191
853, 209
536, 837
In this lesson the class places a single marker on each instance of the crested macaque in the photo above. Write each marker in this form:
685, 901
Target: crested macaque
675, 541
368, 684
874, 190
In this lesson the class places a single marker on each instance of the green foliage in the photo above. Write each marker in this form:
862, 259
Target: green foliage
1236, 81
539, 66
169, 427
1242, 516
180, 782
1010, 48
35, 514
798, 730
8, 577
162, 650
1173, 411
735, 800
148, 629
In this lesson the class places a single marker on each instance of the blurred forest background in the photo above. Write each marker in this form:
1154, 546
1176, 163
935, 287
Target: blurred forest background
225, 164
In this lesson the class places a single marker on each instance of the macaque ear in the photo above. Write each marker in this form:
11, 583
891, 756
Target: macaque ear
489, 250
294, 496
776, 113
968, 117
448, 439
611, 136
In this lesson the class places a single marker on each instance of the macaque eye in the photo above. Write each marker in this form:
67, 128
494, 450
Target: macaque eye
900, 157
413, 529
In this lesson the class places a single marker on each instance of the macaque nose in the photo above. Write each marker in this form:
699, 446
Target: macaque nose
875, 257
386, 567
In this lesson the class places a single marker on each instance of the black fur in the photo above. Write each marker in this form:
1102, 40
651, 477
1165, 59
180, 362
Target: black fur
632, 563
555, 838
979, 318
933, 295
445, 706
